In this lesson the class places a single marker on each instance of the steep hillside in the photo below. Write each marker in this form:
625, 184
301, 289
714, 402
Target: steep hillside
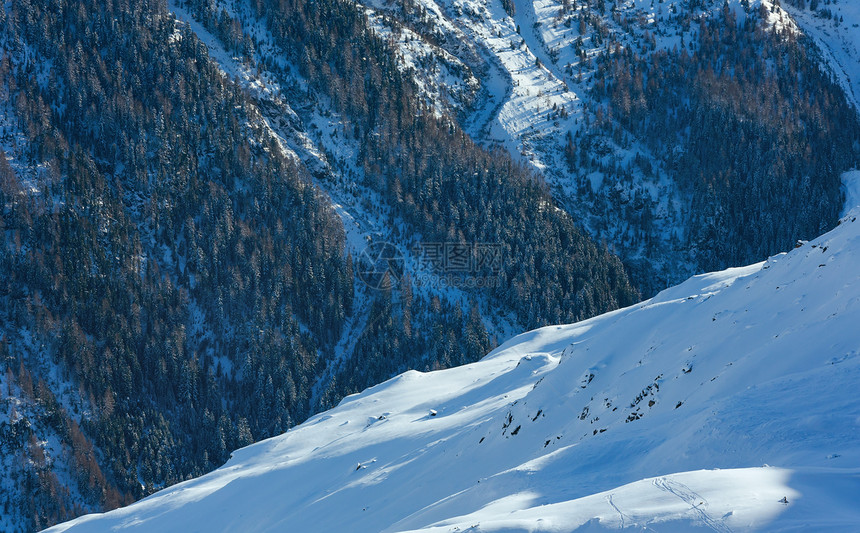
216, 219
726, 403
183, 227
835, 28
150, 234
665, 128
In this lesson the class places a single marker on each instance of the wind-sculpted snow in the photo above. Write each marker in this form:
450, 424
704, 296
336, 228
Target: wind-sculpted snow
726, 403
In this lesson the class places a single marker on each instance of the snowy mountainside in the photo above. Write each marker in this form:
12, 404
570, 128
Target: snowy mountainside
835, 28
36, 428
726, 403
316, 134
535, 76
160, 216
539, 67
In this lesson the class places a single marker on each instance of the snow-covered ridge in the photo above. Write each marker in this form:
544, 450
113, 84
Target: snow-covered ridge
664, 415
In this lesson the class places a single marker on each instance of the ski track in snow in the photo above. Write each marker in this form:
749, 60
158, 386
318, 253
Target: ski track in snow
693, 499
620, 513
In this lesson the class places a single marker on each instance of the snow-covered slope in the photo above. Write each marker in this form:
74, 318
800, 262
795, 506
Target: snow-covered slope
726, 403
835, 28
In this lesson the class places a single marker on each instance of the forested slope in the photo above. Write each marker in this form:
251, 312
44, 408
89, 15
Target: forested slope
188, 191
688, 134
173, 282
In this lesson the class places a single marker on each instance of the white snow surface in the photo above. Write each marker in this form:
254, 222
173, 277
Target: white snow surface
851, 186
838, 38
726, 403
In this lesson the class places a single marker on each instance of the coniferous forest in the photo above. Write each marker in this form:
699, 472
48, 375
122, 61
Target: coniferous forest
764, 134
186, 281
176, 284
